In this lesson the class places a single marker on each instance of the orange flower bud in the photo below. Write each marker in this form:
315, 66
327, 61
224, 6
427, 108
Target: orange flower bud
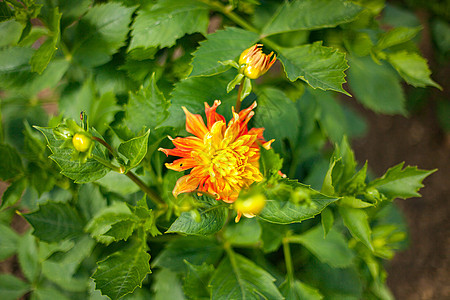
81, 142
254, 63
250, 207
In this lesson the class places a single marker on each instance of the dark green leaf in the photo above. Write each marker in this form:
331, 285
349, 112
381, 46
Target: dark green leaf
135, 149
121, 230
218, 47
27, 254
298, 290
10, 164
270, 162
89, 171
213, 216
396, 36
122, 272
90, 200
281, 210
146, 108
167, 286
272, 236
332, 250
13, 193
163, 23
54, 222
239, 278
11, 287
311, 14
356, 220
321, 67
9, 241
413, 68
101, 32
246, 232
194, 250
401, 183
379, 89
196, 281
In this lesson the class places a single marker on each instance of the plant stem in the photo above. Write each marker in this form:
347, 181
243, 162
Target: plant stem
106, 163
104, 143
288, 260
238, 100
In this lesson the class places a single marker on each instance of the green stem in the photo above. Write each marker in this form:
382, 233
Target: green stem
288, 260
106, 163
105, 144
238, 100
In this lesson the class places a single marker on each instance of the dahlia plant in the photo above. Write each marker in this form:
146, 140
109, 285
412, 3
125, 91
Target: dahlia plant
200, 167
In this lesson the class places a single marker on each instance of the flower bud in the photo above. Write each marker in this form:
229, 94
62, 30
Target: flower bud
254, 63
81, 142
250, 206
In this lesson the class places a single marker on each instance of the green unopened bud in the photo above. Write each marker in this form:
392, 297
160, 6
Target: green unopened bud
81, 142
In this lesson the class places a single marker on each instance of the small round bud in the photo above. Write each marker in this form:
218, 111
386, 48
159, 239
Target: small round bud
81, 142
251, 206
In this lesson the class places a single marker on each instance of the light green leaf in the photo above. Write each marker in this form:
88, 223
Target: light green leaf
278, 115
13, 193
9, 241
146, 108
321, 67
14, 67
327, 220
27, 254
213, 216
10, 164
299, 290
196, 281
413, 68
90, 200
239, 278
396, 36
194, 250
11, 287
167, 286
246, 232
332, 250
89, 171
10, 31
356, 220
222, 45
101, 32
380, 89
122, 272
135, 149
121, 230
163, 23
399, 182
116, 182
44, 54
54, 222
280, 210
194, 91
45, 293
311, 14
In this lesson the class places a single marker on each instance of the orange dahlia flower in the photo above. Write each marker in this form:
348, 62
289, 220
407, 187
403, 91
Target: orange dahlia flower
224, 158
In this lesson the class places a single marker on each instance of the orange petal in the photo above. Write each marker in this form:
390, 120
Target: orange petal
181, 164
195, 124
188, 143
185, 184
211, 115
238, 217
266, 145
175, 152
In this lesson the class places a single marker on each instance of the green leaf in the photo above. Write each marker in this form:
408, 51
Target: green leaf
280, 210
327, 220
196, 281
9, 241
213, 216
396, 36
166, 285
236, 277
146, 108
122, 272
270, 162
163, 23
321, 67
278, 115
194, 250
194, 91
299, 290
246, 232
10, 31
121, 230
27, 254
54, 222
380, 89
413, 68
311, 14
356, 220
12, 288
13, 193
103, 221
222, 45
332, 250
101, 32
135, 149
90, 200
44, 54
44, 293
10, 164
401, 183
272, 236
89, 171
116, 182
